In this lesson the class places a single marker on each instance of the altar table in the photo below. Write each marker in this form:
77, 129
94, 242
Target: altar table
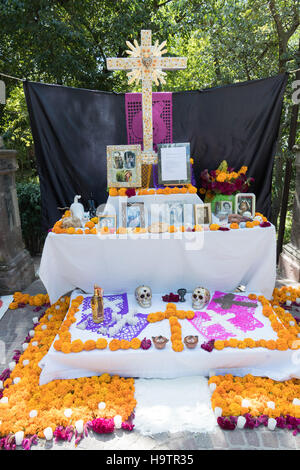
165, 262
154, 363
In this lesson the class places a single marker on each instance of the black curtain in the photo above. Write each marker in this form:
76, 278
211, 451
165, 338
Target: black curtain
71, 128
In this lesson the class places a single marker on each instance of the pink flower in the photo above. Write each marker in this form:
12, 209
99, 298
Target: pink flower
146, 343
102, 425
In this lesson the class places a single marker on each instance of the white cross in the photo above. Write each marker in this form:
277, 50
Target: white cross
145, 63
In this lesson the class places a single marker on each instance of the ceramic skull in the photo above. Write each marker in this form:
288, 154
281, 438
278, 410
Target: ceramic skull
200, 297
143, 295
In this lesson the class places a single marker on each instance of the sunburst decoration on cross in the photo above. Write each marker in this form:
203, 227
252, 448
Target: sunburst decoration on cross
145, 63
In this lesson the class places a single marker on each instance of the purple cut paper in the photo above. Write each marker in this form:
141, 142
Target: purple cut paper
214, 331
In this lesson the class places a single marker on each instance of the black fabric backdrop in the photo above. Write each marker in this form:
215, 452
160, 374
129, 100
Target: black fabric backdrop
72, 127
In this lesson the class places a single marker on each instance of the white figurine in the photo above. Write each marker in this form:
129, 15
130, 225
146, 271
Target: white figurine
77, 209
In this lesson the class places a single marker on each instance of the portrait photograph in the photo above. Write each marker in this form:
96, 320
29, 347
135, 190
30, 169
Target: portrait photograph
245, 204
202, 214
226, 206
133, 215
124, 168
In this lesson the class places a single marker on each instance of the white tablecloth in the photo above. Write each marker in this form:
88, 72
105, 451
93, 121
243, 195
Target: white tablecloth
165, 262
153, 363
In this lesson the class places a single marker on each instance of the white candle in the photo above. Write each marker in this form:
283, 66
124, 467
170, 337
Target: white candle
31, 333
272, 424
296, 401
212, 387
24, 346
12, 365
4, 400
101, 405
118, 421
49, 317
1, 385
68, 412
292, 323
33, 414
288, 303
44, 327
79, 426
25, 362
19, 436
298, 300
16, 380
34, 343
218, 411
271, 405
241, 422
245, 403
35, 320
48, 433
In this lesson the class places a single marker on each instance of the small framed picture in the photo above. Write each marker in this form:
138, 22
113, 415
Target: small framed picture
226, 206
202, 214
175, 213
109, 221
174, 164
245, 204
133, 215
124, 168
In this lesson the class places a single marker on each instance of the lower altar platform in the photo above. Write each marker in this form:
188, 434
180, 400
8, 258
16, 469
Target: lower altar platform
242, 321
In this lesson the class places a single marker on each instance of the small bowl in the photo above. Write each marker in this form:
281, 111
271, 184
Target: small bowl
159, 341
191, 341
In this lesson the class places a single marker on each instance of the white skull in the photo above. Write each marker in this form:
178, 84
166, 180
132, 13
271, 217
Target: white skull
200, 297
143, 295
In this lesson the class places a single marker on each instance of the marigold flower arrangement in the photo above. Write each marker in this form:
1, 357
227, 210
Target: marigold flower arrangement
49, 402
224, 180
176, 337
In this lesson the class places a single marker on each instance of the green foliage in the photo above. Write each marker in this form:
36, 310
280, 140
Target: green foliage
29, 199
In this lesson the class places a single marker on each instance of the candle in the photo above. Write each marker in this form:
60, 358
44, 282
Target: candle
271, 404
218, 411
16, 380
101, 405
118, 421
212, 387
31, 333
35, 320
12, 365
1, 385
241, 421
4, 400
296, 401
19, 436
48, 433
34, 343
44, 327
68, 412
49, 317
25, 362
272, 424
24, 346
79, 426
33, 414
245, 403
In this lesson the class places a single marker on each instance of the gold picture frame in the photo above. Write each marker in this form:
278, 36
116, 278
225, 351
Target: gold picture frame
202, 214
124, 166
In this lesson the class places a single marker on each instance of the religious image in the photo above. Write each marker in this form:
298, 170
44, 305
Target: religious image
133, 215
124, 165
245, 204
175, 213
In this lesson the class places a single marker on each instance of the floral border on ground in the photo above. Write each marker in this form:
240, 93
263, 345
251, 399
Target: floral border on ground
249, 402
63, 408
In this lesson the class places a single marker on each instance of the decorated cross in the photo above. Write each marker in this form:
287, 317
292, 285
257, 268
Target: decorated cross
228, 300
147, 64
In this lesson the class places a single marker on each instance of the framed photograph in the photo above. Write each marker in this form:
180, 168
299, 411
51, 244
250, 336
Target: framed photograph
109, 221
245, 204
175, 213
124, 168
174, 167
226, 206
133, 215
202, 214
